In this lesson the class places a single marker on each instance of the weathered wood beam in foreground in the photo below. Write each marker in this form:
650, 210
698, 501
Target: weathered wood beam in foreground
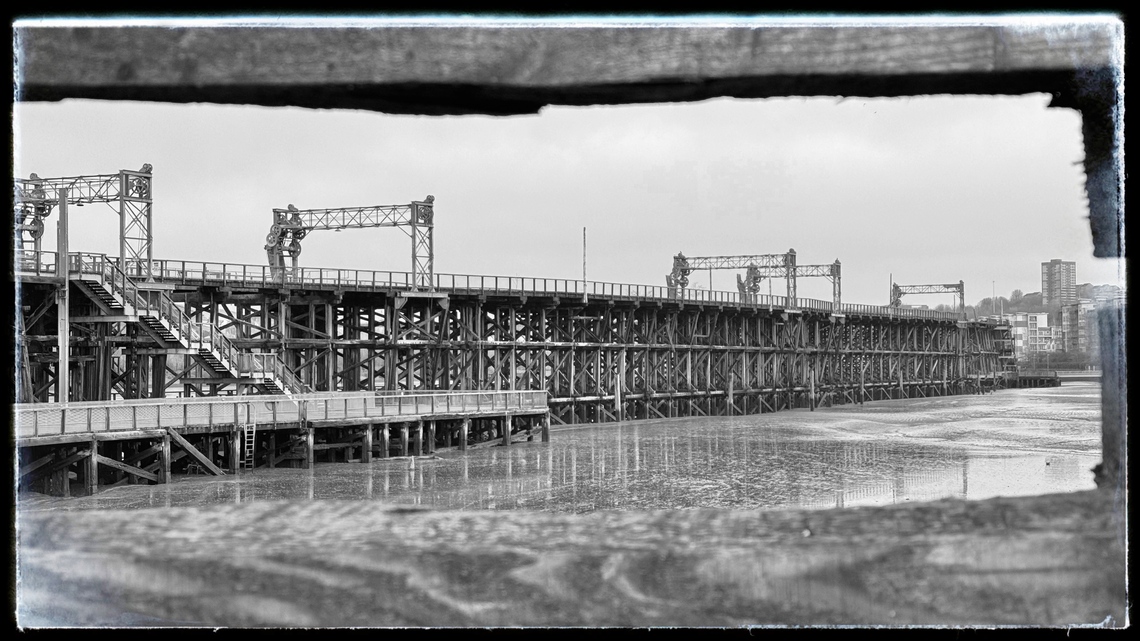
501, 69
1055, 560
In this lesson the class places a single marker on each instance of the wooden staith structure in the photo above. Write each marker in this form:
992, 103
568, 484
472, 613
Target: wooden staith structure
107, 443
602, 351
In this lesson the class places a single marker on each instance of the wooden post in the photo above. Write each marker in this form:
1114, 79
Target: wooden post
91, 471
404, 439
430, 445
384, 441
546, 427
418, 439
234, 449
507, 429
447, 436
272, 447
307, 432
731, 384
165, 467
463, 434
210, 446
1112, 471
366, 452
811, 390
862, 385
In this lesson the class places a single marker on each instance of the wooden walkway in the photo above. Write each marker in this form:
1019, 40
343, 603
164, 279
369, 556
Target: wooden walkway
142, 441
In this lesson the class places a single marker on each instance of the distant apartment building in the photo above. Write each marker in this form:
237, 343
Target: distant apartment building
1058, 282
1032, 333
1079, 327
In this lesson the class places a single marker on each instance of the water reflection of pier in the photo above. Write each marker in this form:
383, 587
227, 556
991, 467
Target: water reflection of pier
638, 468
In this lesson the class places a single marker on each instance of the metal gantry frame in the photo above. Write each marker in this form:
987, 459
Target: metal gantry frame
131, 192
958, 289
757, 268
291, 225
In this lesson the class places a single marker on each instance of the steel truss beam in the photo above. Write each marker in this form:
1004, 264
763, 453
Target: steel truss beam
291, 225
130, 192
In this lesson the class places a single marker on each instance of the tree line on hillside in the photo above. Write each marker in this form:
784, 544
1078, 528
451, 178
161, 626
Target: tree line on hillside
1032, 302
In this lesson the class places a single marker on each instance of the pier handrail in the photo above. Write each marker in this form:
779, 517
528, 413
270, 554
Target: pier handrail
224, 274
93, 417
204, 333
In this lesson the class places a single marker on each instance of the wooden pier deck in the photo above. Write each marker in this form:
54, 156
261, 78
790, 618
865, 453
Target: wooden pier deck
143, 441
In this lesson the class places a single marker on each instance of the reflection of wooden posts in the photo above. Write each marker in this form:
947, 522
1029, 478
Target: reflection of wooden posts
507, 429
385, 441
463, 431
546, 427
366, 451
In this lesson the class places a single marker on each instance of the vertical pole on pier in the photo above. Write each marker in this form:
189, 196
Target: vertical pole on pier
234, 449
91, 474
731, 384
811, 390
158, 376
165, 467
272, 458
862, 384
447, 436
546, 427
366, 452
307, 432
418, 440
403, 439
463, 434
385, 441
62, 301
430, 438
507, 429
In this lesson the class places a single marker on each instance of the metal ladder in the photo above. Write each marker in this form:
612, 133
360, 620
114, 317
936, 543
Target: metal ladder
249, 432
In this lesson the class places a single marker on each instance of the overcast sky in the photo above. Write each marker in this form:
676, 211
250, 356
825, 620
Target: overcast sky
930, 189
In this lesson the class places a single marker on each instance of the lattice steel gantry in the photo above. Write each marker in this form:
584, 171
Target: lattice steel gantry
291, 225
758, 267
959, 290
132, 191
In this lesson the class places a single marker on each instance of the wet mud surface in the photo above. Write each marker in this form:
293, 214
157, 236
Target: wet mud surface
714, 521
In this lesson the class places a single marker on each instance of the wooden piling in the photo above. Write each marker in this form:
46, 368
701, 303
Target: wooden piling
385, 442
430, 444
234, 449
546, 427
309, 438
811, 390
507, 429
463, 431
404, 439
272, 447
366, 452
165, 457
418, 440
91, 471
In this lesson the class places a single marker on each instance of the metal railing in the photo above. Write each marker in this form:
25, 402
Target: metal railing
193, 334
227, 274
86, 418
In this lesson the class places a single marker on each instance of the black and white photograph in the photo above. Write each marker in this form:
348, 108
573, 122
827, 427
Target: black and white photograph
587, 321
